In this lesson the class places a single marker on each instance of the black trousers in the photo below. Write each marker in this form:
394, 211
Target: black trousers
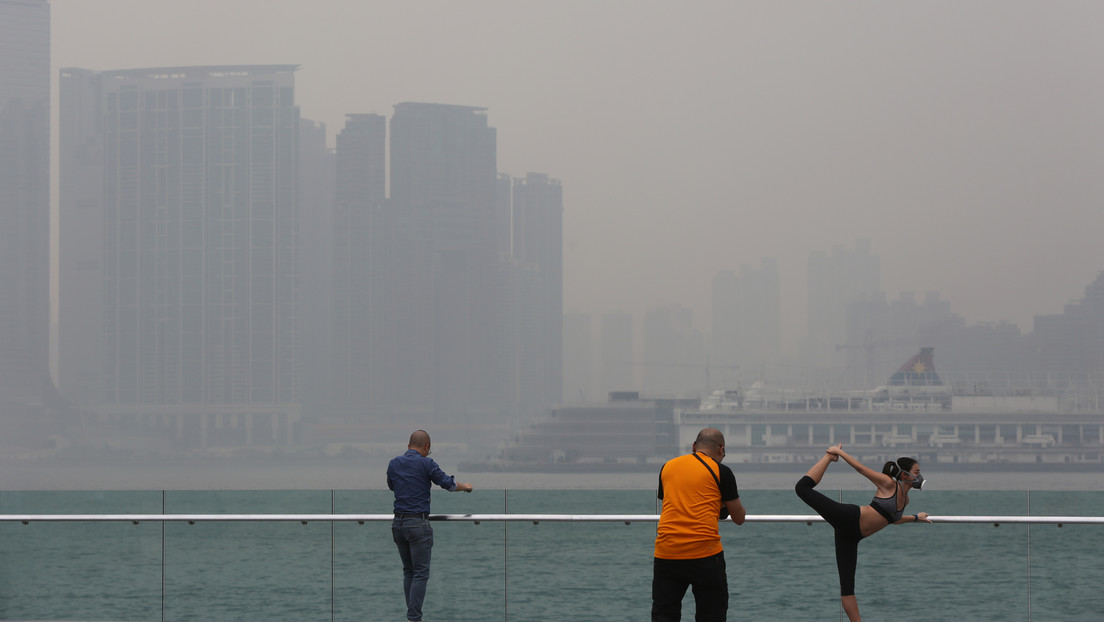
707, 575
844, 519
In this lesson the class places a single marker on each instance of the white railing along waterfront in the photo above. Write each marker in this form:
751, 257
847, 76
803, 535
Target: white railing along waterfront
536, 519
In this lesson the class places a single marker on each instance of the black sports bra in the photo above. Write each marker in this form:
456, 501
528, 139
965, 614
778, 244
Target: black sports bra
887, 506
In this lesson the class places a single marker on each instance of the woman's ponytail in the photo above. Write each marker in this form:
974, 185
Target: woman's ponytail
894, 469
891, 469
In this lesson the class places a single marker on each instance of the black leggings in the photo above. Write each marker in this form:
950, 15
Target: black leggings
844, 518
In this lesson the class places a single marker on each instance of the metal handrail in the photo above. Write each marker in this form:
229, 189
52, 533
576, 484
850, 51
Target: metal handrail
533, 518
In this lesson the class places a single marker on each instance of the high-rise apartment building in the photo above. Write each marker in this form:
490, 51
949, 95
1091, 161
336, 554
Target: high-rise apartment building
538, 256
443, 184
24, 209
198, 303
316, 240
81, 235
447, 296
364, 371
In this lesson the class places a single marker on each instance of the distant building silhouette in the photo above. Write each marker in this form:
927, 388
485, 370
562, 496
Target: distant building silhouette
880, 333
1064, 351
447, 296
616, 353
578, 354
537, 266
199, 265
834, 281
220, 266
1073, 342
674, 354
25, 383
444, 185
979, 353
367, 323
316, 235
747, 333
81, 345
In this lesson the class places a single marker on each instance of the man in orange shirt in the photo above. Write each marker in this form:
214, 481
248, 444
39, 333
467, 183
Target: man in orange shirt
697, 492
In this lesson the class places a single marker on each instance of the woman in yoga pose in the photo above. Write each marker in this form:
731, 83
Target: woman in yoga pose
852, 522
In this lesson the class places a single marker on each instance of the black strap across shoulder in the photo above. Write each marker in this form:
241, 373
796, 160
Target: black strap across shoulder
715, 478
724, 510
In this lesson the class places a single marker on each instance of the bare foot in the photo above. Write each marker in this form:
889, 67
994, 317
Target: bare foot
834, 455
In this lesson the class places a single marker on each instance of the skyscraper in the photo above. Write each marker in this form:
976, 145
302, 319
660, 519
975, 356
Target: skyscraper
443, 182
447, 296
198, 262
365, 315
538, 256
81, 237
316, 234
24, 209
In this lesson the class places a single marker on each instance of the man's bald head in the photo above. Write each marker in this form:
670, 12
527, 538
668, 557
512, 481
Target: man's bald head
709, 439
419, 439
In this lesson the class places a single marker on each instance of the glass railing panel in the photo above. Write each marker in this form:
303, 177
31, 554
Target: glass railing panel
80, 570
1065, 561
248, 570
517, 571
941, 569
365, 561
469, 561
467, 578
580, 571
778, 571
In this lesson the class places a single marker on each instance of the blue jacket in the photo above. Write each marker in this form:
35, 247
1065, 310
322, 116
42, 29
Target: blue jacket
411, 476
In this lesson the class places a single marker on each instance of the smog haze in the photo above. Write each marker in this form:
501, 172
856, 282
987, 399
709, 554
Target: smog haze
961, 139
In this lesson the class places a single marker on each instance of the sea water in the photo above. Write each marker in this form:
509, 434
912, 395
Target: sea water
213, 571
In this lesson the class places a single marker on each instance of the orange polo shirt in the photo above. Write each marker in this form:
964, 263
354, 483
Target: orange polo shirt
691, 502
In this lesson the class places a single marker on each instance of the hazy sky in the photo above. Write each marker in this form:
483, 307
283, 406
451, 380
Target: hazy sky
964, 139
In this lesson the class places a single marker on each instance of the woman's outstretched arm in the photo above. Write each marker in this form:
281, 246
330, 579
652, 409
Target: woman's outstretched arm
881, 480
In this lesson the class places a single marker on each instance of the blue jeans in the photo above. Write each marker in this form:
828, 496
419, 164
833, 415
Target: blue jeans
414, 537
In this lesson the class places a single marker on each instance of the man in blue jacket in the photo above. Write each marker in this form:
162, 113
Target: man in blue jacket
410, 476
